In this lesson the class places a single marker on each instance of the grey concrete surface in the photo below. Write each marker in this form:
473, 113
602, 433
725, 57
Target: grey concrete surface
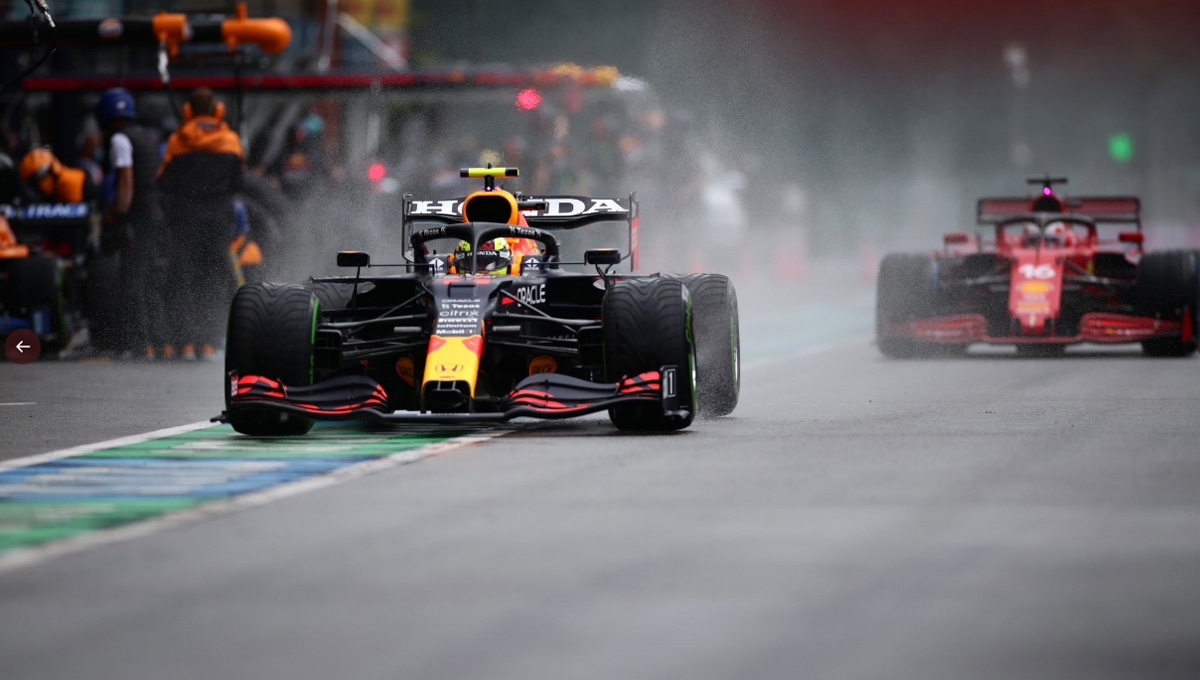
987, 517
49, 405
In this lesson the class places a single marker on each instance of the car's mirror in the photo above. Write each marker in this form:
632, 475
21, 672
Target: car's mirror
532, 204
602, 256
957, 238
1131, 237
353, 258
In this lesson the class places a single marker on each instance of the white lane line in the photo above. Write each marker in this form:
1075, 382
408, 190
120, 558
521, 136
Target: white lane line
807, 351
21, 558
26, 461
18, 403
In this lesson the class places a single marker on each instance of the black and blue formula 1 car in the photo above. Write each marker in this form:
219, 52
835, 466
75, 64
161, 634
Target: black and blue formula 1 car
488, 321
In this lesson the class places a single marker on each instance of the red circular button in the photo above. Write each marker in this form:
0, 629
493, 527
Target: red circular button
22, 346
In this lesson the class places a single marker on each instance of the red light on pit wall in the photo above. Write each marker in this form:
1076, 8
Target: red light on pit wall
376, 172
528, 99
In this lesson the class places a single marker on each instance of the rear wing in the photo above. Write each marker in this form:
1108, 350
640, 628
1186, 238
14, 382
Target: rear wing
1109, 209
550, 213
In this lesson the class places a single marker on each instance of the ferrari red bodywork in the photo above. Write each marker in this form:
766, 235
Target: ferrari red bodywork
1045, 277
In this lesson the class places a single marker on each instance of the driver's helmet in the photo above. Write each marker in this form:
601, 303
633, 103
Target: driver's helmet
495, 257
1030, 235
1058, 234
40, 169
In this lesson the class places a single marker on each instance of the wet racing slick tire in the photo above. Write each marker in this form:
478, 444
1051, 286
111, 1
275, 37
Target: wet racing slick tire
271, 331
905, 292
1167, 288
647, 325
718, 342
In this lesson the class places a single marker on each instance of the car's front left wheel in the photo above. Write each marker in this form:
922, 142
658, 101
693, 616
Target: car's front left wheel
271, 333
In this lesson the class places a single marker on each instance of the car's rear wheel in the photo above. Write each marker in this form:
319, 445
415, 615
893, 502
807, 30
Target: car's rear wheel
718, 342
271, 332
1168, 287
904, 292
648, 325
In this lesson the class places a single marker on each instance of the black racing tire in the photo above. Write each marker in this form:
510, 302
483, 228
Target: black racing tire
904, 292
271, 331
647, 325
718, 343
1168, 287
332, 295
36, 283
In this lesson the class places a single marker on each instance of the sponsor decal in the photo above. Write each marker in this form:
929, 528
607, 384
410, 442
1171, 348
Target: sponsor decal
459, 318
1035, 287
448, 368
532, 295
575, 207
1024, 308
523, 232
406, 370
543, 364
54, 211
431, 233
110, 29
450, 207
557, 206
1041, 271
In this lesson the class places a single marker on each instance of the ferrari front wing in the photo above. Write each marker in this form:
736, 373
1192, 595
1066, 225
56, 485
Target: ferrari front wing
1098, 327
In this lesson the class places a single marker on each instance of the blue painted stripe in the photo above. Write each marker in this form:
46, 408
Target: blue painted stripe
80, 479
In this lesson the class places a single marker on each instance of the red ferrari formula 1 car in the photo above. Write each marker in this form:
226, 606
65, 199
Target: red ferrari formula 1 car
1044, 280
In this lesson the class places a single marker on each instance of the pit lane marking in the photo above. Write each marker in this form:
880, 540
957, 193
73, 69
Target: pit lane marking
26, 461
18, 403
22, 557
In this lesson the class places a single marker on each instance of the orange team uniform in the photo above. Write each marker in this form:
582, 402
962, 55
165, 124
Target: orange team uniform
200, 176
42, 170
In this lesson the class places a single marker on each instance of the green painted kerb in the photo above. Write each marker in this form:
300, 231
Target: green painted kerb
29, 520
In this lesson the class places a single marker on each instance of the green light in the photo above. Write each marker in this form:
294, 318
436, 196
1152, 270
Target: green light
1120, 147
